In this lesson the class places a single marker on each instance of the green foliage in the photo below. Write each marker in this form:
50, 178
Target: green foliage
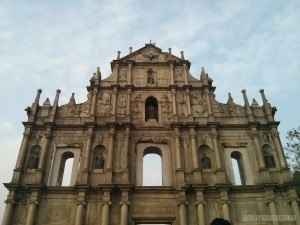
293, 149
292, 152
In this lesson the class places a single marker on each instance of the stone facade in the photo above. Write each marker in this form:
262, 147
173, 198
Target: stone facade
150, 104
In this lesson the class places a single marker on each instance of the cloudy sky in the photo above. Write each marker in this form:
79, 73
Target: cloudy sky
54, 44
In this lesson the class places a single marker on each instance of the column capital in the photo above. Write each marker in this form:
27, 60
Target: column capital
124, 203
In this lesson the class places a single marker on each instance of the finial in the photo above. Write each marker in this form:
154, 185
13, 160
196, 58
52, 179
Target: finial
261, 90
254, 103
98, 74
170, 50
130, 50
182, 55
58, 90
119, 53
39, 90
243, 91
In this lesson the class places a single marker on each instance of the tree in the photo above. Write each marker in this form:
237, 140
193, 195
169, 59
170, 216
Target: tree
293, 155
293, 149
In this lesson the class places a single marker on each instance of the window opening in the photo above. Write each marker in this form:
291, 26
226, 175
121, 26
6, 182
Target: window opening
152, 167
65, 169
237, 166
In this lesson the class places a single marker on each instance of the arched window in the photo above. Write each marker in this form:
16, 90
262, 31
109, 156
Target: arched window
204, 157
152, 167
34, 157
151, 109
99, 157
65, 169
238, 168
269, 158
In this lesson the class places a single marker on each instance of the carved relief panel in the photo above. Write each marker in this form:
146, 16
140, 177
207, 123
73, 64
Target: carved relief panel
121, 104
198, 103
181, 103
104, 102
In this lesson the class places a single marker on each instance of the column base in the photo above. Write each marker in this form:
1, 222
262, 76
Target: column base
17, 176
286, 175
264, 175
180, 177
197, 177
220, 174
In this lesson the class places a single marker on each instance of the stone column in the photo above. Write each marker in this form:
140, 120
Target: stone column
295, 209
200, 206
55, 105
89, 137
21, 157
124, 213
110, 150
31, 213
200, 212
254, 135
185, 74
182, 214
126, 154
214, 136
44, 149
129, 73
172, 73
79, 213
247, 106
109, 164
194, 149
128, 114
196, 171
8, 213
105, 214
225, 210
266, 106
209, 109
175, 116
279, 148
177, 149
188, 102
116, 72
114, 102
94, 101
273, 211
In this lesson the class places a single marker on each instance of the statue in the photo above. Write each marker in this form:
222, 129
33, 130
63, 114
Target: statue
33, 160
151, 112
99, 161
269, 160
206, 163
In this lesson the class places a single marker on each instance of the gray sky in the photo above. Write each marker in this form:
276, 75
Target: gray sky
54, 44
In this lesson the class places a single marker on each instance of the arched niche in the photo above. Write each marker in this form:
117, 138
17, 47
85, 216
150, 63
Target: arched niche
204, 157
34, 157
268, 156
99, 156
151, 109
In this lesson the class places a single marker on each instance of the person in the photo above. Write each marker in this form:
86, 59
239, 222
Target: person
206, 164
220, 221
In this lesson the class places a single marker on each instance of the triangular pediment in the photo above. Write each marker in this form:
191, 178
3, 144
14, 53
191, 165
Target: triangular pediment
150, 53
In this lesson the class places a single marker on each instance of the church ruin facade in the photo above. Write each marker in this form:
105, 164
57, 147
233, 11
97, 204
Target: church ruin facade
150, 104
